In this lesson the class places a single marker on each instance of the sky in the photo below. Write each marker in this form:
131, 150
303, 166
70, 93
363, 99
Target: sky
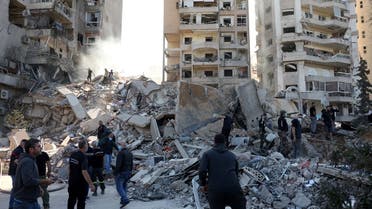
142, 38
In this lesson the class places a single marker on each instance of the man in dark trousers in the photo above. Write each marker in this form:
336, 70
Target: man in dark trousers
227, 126
218, 174
107, 145
327, 120
13, 167
123, 172
27, 181
102, 131
96, 162
79, 179
296, 132
283, 131
332, 112
313, 118
262, 131
43, 162
89, 77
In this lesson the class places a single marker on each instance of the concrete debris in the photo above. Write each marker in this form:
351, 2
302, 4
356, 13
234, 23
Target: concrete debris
168, 128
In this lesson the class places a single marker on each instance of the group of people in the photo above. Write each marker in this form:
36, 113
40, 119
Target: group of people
30, 171
107, 77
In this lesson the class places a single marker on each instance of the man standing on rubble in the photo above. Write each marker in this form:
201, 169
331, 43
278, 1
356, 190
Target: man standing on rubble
123, 172
79, 179
27, 181
296, 131
313, 118
262, 131
283, 131
43, 163
107, 145
218, 174
89, 77
13, 167
102, 131
227, 126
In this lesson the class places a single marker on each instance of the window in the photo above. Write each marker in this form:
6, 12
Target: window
186, 74
363, 34
187, 57
227, 39
91, 40
270, 58
208, 39
92, 19
361, 4
362, 19
321, 18
289, 30
226, 5
289, 47
227, 22
287, 12
209, 57
208, 73
188, 40
241, 20
227, 73
227, 55
291, 67
308, 15
364, 49
270, 42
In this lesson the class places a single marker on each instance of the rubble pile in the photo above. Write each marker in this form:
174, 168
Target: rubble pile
168, 127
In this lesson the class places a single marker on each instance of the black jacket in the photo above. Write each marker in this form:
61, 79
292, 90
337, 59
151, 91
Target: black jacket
15, 155
107, 145
124, 161
282, 124
221, 168
26, 186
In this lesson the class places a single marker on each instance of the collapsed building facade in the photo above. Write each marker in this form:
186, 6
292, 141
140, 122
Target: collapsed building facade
308, 50
206, 41
43, 39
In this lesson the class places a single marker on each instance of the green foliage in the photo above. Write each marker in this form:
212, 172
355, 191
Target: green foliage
364, 86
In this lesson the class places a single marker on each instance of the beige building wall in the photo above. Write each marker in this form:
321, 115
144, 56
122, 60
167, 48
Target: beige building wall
364, 24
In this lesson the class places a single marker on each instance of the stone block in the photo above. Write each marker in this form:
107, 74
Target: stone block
140, 121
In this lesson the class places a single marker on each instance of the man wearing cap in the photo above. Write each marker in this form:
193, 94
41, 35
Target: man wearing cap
221, 168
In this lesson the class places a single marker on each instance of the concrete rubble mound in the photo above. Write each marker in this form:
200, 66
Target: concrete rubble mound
168, 127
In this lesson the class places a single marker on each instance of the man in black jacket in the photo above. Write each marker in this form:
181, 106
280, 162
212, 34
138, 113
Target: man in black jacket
107, 145
13, 167
27, 182
123, 172
218, 174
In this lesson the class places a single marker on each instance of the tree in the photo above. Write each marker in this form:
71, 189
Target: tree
364, 87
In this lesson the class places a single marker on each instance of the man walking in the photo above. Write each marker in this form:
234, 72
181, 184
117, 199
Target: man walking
43, 162
108, 144
221, 168
13, 167
313, 118
79, 178
123, 172
27, 181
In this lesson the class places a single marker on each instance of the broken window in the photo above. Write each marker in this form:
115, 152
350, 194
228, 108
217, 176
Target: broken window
287, 12
227, 22
289, 47
208, 39
227, 39
227, 55
186, 74
291, 67
241, 20
187, 57
289, 30
209, 57
92, 19
226, 5
188, 40
227, 73
91, 40
208, 73
209, 19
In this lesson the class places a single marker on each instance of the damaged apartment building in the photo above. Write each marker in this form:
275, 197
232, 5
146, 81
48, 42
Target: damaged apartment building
308, 51
42, 40
206, 41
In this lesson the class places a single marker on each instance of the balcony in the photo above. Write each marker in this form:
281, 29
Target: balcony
332, 42
332, 96
58, 10
37, 33
337, 60
234, 63
183, 10
206, 61
336, 23
201, 45
328, 79
39, 56
325, 3
205, 26
232, 45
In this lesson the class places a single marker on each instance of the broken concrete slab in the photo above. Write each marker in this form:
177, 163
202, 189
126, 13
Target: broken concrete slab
140, 121
139, 175
92, 124
196, 106
95, 112
124, 117
145, 87
301, 200
154, 129
16, 136
249, 102
78, 109
181, 149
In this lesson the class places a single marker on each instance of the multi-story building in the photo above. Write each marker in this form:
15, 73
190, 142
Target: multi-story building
364, 25
307, 49
206, 41
42, 39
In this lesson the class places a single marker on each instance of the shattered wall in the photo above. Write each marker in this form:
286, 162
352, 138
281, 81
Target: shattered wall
196, 105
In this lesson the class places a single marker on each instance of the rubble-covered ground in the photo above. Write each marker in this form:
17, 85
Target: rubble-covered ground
169, 126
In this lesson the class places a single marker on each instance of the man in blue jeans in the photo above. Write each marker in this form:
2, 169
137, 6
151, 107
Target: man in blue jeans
123, 172
107, 145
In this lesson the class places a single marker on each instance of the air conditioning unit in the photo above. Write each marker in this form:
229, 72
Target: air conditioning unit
4, 94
